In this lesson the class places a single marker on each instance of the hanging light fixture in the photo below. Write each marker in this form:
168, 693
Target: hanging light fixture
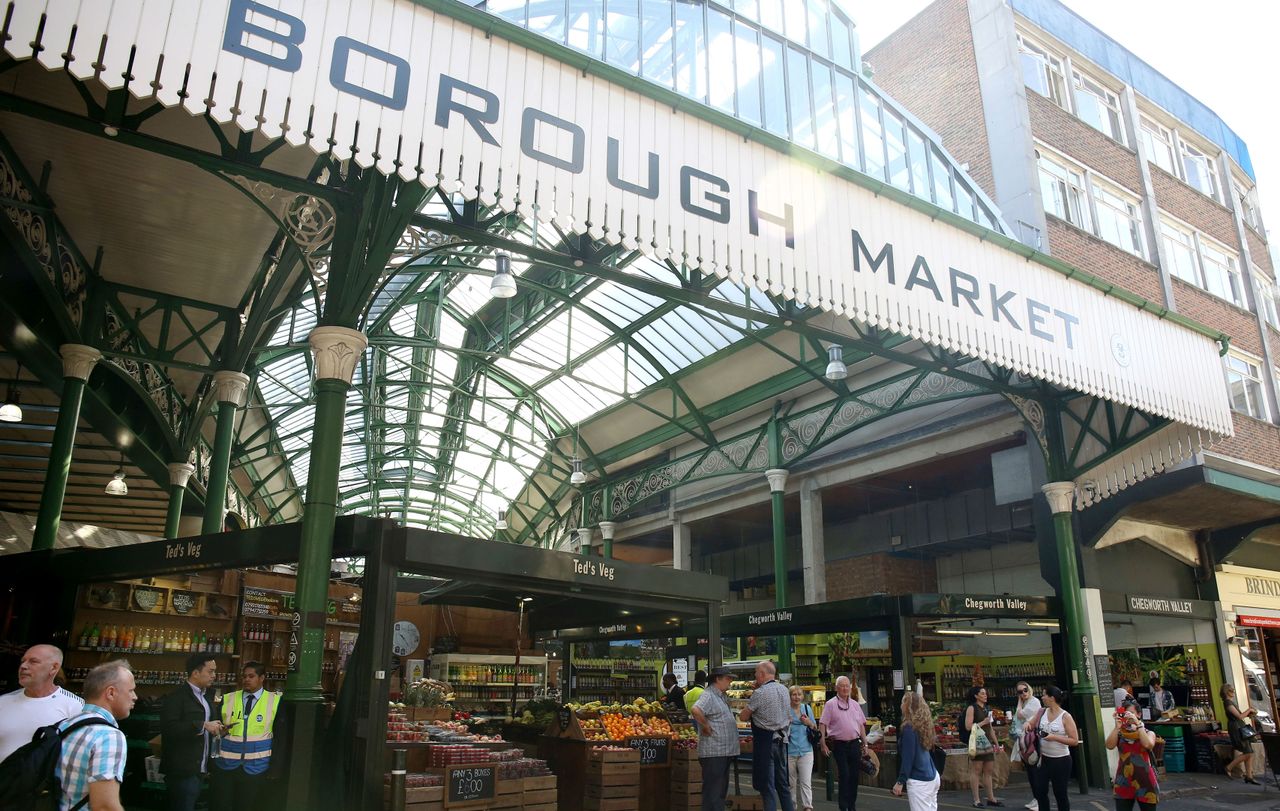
578, 477
836, 370
11, 411
501, 523
117, 486
503, 284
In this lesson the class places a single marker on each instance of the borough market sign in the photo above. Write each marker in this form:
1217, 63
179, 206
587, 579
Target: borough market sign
408, 88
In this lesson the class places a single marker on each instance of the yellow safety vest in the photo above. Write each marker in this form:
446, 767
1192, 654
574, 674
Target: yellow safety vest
247, 743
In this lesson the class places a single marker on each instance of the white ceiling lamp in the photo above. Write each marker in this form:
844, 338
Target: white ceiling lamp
836, 370
503, 284
501, 523
1007, 633
577, 478
1043, 623
11, 411
958, 631
117, 486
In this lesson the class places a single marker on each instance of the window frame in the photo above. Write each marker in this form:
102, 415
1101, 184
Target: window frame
1164, 134
1255, 395
1192, 248
1231, 269
1210, 168
1031, 46
1137, 223
1068, 167
1245, 202
1110, 100
1264, 288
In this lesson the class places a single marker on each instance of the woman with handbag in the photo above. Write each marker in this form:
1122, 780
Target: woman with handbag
804, 732
1058, 733
980, 738
1135, 781
917, 776
1025, 713
1242, 734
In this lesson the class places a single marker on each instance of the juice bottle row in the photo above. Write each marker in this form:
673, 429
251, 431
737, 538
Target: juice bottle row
128, 639
488, 674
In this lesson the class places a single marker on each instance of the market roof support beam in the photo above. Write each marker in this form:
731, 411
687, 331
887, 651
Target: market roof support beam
229, 390
812, 543
179, 475
336, 351
78, 361
777, 493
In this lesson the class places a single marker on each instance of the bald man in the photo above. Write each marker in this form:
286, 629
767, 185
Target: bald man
39, 703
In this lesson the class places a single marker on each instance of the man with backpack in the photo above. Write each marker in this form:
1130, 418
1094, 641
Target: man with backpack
91, 764
39, 703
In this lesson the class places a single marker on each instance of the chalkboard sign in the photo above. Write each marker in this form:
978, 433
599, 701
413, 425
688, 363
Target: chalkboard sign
565, 717
655, 750
469, 784
1102, 677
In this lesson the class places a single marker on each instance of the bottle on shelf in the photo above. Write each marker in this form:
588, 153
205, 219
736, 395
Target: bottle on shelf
229, 645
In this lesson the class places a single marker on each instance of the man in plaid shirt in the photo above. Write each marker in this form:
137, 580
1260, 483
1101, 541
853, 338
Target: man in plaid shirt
91, 767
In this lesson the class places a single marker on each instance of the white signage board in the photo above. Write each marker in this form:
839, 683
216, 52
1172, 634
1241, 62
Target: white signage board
404, 86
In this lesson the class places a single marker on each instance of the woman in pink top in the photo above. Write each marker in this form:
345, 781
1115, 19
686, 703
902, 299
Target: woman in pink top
843, 727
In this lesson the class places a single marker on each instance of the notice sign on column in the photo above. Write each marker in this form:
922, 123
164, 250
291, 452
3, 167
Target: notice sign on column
295, 628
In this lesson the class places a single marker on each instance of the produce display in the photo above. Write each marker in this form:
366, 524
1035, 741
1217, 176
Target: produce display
427, 693
641, 706
418, 780
740, 689
402, 730
522, 767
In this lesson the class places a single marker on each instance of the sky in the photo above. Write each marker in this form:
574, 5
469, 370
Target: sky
1229, 66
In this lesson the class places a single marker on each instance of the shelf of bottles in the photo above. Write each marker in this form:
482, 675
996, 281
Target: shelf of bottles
617, 679
150, 678
478, 679
1199, 692
1001, 681
145, 640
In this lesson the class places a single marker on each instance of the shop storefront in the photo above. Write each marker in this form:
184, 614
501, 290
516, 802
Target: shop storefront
1250, 604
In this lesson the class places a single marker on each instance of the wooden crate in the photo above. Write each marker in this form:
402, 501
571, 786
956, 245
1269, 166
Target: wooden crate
596, 768
540, 796
434, 805
598, 804
686, 772
744, 802
611, 756
681, 786
685, 802
611, 792
547, 807
421, 794
535, 783
510, 786
507, 802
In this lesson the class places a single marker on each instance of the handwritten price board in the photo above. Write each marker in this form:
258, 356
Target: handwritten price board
655, 750
469, 784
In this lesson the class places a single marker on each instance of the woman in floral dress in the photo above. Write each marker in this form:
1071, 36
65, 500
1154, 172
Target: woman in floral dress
1135, 784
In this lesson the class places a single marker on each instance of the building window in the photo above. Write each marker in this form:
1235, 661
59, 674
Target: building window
1062, 190
1264, 294
1199, 171
1180, 252
1221, 272
1157, 142
1042, 71
1097, 106
1245, 383
1245, 201
1119, 218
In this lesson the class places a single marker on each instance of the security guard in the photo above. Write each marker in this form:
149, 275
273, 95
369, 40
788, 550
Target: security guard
241, 766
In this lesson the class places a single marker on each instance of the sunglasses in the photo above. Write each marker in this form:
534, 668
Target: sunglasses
1022, 691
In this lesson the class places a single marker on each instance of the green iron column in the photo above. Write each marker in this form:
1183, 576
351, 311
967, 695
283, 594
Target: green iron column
1083, 692
78, 361
336, 351
777, 491
607, 528
179, 475
229, 390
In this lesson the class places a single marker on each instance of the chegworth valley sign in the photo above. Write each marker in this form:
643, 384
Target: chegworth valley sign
406, 87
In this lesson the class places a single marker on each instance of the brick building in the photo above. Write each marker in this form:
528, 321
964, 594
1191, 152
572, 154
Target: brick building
1096, 158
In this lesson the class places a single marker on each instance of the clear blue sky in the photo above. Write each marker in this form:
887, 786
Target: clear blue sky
1226, 54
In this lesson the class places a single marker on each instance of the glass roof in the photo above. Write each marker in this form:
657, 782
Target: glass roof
465, 405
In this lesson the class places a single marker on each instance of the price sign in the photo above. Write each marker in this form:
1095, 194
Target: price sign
655, 750
468, 784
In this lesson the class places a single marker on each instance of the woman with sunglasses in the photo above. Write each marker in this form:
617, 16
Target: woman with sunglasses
1028, 709
1058, 733
1135, 783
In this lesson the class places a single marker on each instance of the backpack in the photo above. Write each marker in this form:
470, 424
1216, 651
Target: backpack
1029, 743
27, 781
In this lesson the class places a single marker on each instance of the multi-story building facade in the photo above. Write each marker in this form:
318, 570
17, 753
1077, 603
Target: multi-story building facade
1096, 158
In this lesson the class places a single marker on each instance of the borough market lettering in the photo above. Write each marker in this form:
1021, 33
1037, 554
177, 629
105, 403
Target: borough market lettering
1042, 320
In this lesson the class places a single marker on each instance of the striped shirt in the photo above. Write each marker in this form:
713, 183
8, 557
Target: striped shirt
89, 755
770, 706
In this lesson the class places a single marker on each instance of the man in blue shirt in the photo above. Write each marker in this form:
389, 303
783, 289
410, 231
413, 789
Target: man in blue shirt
91, 766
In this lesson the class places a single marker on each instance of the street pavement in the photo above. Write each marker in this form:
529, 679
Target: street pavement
1181, 792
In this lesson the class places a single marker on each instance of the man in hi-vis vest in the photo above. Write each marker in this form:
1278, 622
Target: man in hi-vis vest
240, 770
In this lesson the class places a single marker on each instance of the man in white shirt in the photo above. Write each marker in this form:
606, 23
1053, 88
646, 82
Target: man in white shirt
39, 703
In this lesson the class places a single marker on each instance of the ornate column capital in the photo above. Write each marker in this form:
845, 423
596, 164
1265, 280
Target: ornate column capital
180, 473
78, 360
584, 538
777, 479
607, 528
337, 350
1061, 496
230, 387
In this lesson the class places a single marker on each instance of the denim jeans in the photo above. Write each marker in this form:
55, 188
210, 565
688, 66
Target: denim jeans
848, 758
183, 792
769, 769
715, 781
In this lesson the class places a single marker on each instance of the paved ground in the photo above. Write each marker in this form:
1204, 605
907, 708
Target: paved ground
1182, 792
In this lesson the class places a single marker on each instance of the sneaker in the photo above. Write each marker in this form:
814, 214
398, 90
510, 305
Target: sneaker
1034, 805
